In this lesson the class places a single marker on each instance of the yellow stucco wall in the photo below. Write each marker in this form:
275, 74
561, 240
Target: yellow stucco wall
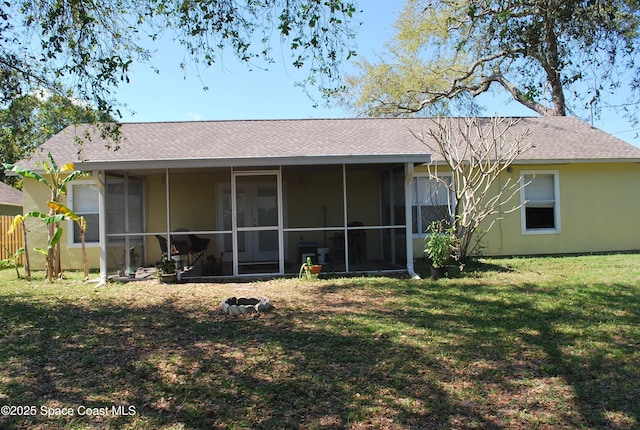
599, 212
36, 196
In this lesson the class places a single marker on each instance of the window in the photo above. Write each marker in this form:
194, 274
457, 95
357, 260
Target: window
124, 209
83, 200
540, 206
431, 201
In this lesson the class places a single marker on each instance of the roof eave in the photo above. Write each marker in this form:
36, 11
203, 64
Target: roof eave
564, 161
250, 162
579, 161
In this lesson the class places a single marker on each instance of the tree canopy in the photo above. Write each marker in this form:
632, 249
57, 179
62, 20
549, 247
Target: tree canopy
29, 120
85, 49
556, 57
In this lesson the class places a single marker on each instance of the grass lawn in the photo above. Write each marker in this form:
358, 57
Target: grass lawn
514, 343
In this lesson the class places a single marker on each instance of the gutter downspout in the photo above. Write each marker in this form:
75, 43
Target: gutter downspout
408, 178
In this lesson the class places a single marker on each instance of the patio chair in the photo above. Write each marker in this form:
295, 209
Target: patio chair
176, 251
198, 249
163, 246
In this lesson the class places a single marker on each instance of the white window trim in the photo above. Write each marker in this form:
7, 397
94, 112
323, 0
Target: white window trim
422, 234
556, 206
70, 224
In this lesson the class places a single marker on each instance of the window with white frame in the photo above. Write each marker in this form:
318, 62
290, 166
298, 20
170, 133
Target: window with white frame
540, 204
82, 198
431, 200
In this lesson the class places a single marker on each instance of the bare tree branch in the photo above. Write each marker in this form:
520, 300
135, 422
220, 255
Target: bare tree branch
477, 152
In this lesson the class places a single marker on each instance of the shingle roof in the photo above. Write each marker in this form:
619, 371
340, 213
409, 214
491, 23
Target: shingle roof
556, 139
10, 196
570, 139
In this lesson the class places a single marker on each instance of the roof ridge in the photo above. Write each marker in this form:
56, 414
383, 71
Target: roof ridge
204, 121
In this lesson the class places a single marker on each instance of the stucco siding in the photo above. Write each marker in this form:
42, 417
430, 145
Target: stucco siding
36, 196
599, 212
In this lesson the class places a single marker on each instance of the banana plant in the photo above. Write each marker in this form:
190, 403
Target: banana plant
82, 225
53, 223
12, 260
56, 179
55, 239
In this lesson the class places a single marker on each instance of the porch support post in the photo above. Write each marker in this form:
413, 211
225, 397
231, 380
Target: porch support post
101, 179
346, 217
168, 198
234, 225
408, 178
279, 194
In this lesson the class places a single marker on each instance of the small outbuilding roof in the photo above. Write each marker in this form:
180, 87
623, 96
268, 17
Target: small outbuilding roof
10, 196
309, 141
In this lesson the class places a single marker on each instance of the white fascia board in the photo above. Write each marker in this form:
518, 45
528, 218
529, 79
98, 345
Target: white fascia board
580, 161
252, 161
564, 161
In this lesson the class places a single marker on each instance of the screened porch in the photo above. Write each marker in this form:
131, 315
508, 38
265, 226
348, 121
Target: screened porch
258, 221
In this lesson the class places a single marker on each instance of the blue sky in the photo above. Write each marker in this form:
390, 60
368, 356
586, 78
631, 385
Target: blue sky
238, 93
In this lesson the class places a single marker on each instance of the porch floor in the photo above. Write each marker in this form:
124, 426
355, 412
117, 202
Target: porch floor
263, 270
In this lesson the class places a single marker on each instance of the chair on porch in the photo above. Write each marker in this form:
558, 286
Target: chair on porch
176, 252
163, 246
198, 249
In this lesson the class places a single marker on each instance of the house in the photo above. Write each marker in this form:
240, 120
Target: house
10, 200
261, 196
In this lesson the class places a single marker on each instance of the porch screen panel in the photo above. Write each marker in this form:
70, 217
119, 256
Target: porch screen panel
117, 193
393, 240
312, 197
363, 195
135, 206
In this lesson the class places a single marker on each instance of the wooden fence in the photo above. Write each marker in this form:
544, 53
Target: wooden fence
9, 243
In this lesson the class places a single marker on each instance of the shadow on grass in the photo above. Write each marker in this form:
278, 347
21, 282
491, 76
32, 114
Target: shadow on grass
528, 356
204, 370
473, 267
375, 353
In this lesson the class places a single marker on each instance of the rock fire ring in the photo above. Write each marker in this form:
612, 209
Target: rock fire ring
240, 306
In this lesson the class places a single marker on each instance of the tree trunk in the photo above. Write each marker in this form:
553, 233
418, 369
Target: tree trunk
27, 264
550, 62
50, 254
85, 262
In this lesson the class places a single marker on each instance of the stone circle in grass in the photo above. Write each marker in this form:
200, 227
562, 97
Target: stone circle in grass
240, 306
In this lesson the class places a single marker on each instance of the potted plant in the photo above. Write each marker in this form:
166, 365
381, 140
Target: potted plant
439, 245
309, 269
167, 271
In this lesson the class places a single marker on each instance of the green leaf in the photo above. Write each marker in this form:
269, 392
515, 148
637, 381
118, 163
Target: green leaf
25, 173
54, 219
52, 163
56, 237
35, 214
